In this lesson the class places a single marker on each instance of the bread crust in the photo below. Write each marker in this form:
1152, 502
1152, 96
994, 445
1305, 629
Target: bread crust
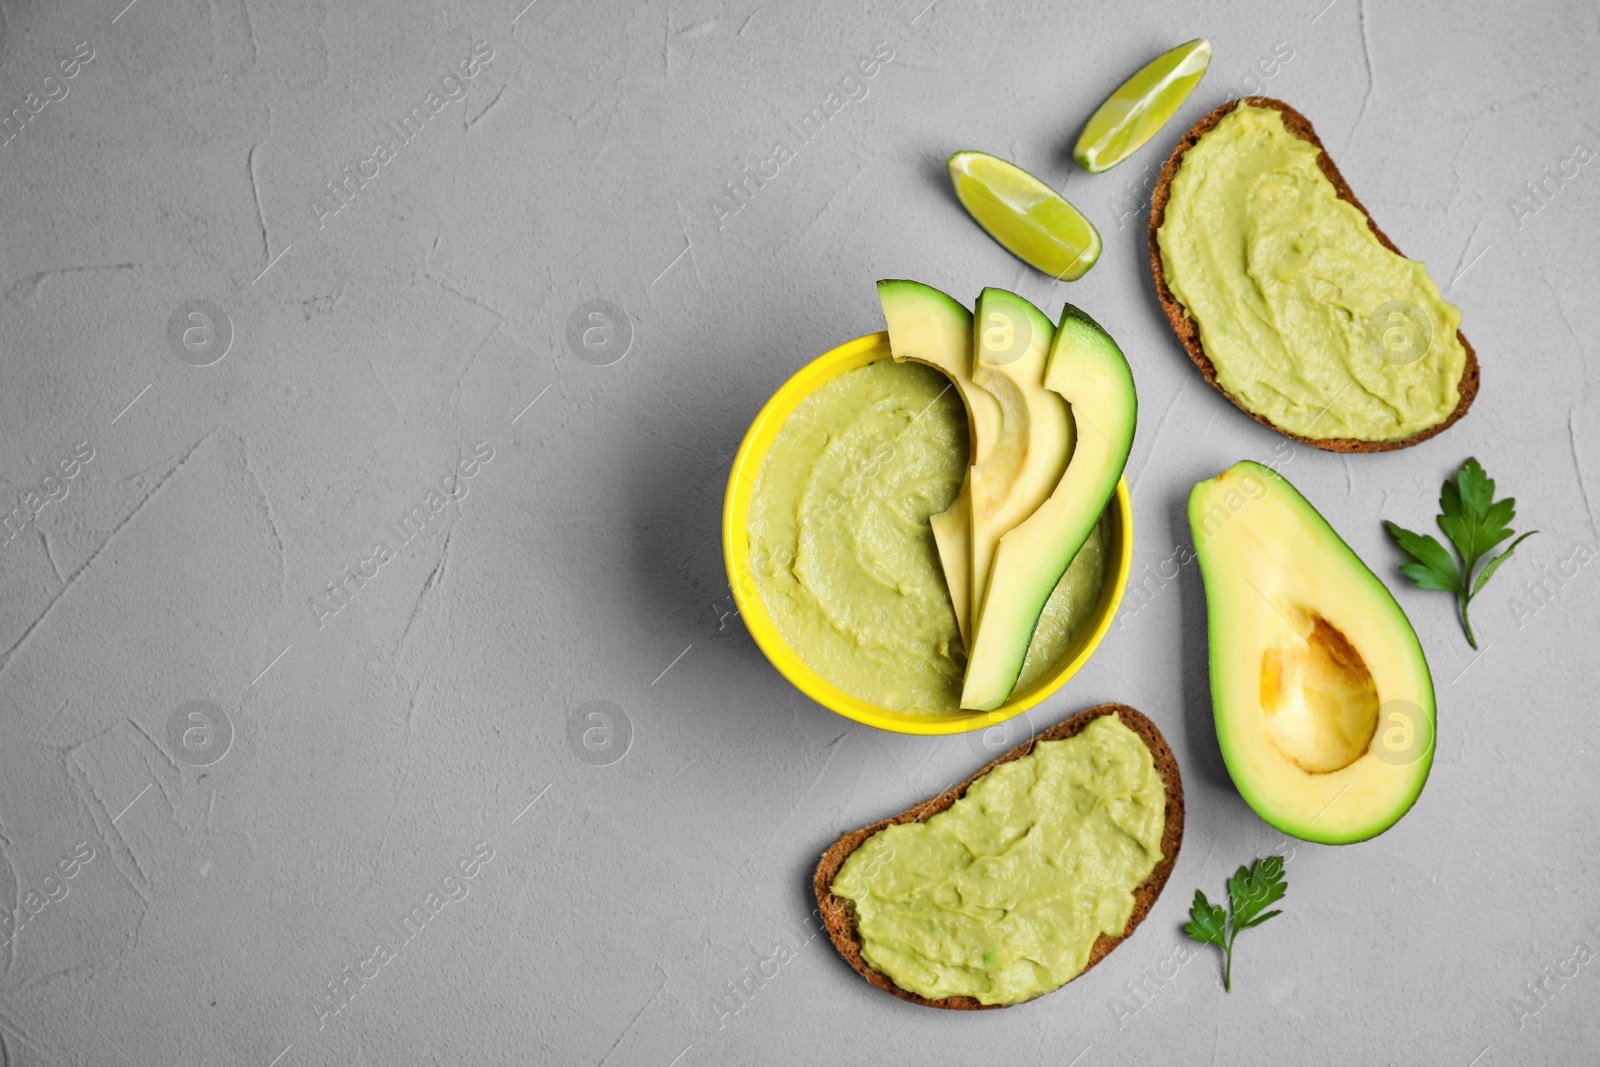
1188, 330
840, 922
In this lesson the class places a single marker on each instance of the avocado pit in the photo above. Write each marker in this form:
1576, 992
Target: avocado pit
1318, 695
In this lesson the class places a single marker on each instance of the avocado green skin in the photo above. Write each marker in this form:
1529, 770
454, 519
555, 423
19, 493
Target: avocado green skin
1215, 574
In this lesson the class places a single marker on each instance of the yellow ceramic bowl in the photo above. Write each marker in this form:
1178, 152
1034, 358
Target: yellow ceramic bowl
736, 551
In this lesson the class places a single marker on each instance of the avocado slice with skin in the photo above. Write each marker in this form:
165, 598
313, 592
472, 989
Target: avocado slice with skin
1090, 373
1323, 701
927, 326
1012, 344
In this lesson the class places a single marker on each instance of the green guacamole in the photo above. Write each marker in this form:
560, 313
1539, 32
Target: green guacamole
1002, 896
842, 554
1308, 319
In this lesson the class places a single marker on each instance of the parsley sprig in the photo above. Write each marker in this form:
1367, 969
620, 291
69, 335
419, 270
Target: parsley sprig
1249, 892
1475, 522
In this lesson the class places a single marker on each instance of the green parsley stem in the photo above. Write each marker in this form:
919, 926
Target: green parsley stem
1227, 963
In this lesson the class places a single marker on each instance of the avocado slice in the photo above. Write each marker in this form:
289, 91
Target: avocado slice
1012, 345
1322, 697
952, 537
1089, 372
927, 326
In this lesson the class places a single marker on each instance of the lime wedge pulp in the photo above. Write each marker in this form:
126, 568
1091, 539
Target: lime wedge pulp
1141, 106
1027, 217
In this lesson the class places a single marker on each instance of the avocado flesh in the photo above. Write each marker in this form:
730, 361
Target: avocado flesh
1012, 344
1323, 701
952, 537
1089, 372
927, 326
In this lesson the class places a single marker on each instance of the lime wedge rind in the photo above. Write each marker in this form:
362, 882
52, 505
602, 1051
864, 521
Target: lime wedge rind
1024, 215
1141, 105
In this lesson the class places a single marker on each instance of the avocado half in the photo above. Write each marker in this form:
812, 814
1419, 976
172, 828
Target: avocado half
1323, 700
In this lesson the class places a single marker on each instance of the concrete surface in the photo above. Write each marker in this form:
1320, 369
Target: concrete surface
235, 862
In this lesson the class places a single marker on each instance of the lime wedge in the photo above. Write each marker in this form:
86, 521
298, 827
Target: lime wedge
1027, 217
1141, 106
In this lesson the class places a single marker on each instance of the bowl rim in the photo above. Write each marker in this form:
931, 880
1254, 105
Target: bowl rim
736, 553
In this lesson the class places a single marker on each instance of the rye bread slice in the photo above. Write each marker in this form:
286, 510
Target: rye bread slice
840, 920
1188, 330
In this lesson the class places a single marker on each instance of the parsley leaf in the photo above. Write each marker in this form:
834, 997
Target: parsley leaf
1207, 923
1475, 522
1249, 891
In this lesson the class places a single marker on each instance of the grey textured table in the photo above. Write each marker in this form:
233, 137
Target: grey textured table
389, 745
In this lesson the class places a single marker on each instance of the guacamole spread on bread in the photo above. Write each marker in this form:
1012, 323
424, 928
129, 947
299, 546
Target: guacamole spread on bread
844, 558
1002, 896
1309, 321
